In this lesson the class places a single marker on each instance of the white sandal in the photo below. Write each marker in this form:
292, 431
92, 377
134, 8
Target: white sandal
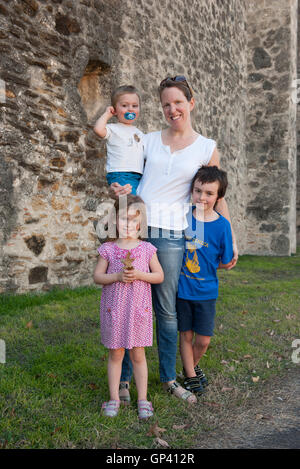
145, 409
111, 408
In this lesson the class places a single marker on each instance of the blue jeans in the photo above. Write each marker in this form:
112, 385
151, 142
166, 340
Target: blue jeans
170, 249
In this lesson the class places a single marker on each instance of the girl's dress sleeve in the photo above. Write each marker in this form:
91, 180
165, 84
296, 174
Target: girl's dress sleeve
104, 251
151, 250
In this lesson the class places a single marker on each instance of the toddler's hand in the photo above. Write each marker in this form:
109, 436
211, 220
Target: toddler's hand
110, 111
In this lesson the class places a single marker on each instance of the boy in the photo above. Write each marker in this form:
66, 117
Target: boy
125, 159
208, 246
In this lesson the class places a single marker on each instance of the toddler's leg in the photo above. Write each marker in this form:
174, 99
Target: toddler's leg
140, 371
200, 346
115, 358
186, 352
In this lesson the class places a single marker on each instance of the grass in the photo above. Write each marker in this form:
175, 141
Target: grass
54, 379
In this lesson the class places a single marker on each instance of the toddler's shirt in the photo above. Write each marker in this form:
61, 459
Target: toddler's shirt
124, 148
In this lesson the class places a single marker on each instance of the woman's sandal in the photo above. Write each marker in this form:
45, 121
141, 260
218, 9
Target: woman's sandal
186, 395
111, 408
124, 394
145, 409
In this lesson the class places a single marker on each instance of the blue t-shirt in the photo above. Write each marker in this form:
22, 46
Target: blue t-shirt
207, 243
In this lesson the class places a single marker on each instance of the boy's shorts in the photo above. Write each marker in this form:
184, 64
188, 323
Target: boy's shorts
123, 177
197, 316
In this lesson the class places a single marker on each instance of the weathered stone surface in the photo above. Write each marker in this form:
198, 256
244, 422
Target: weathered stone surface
270, 128
36, 243
38, 275
60, 60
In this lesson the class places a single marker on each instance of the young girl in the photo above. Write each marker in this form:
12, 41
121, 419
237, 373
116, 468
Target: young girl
126, 306
125, 160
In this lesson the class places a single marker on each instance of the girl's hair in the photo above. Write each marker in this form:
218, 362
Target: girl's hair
212, 174
179, 82
123, 203
118, 92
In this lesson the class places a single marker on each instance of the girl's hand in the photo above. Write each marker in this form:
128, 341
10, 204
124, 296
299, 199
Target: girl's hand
129, 276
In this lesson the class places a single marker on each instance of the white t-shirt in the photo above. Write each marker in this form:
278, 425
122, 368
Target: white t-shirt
124, 148
166, 184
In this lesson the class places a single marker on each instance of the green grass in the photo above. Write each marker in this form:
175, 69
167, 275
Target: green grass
54, 379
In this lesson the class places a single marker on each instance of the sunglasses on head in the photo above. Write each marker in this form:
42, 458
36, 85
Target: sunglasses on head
178, 78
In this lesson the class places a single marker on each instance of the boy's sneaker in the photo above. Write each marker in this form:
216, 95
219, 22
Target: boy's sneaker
201, 376
193, 385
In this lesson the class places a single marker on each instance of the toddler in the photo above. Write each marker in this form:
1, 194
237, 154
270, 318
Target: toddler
125, 159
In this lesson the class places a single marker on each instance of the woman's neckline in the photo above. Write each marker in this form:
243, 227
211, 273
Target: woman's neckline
181, 149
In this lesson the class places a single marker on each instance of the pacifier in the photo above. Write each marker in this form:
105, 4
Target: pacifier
130, 116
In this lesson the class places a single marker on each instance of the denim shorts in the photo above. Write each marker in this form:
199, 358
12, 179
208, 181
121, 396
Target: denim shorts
123, 178
197, 316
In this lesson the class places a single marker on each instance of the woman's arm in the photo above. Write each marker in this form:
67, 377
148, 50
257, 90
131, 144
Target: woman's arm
222, 208
155, 276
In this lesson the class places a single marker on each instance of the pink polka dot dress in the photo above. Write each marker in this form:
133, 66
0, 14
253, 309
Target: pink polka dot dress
126, 308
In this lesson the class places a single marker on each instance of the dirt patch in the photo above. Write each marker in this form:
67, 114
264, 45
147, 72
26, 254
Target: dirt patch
270, 420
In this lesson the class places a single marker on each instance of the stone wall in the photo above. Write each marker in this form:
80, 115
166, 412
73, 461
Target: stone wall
297, 93
59, 61
271, 127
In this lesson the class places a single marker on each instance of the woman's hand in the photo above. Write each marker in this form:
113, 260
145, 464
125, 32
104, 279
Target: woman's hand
115, 190
233, 261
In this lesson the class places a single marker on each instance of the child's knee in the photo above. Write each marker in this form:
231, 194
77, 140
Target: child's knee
137, 355
202, 341
116, 354
187, 336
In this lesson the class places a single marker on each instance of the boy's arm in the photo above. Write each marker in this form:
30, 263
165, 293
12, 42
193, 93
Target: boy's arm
100, 126
222, 208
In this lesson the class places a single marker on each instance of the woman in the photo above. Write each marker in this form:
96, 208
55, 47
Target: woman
173, 156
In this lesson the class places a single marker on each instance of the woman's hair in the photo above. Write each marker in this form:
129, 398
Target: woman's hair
179, 82
123, 203
118, 92
212, 174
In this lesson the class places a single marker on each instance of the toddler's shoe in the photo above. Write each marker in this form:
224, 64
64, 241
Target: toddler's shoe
145, 409
111, 408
